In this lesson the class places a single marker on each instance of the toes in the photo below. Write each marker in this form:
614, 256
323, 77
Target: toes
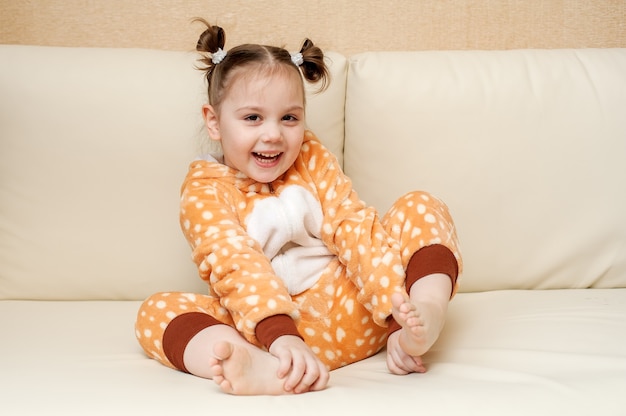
225, 386
222, 350
398, 299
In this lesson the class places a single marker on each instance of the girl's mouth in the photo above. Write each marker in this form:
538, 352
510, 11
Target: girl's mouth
266, 158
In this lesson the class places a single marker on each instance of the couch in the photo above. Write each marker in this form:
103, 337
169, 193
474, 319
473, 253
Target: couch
527, 148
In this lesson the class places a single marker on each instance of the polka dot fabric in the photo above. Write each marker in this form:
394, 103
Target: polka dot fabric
343, 316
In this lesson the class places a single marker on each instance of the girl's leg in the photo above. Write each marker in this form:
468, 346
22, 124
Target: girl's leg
181, 331
424, 228
167, 321
419, 221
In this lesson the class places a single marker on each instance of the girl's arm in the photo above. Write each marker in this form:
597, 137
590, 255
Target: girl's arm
231, 262
353, 231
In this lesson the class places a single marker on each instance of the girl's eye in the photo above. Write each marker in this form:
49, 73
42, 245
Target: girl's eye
290, 117
253, 117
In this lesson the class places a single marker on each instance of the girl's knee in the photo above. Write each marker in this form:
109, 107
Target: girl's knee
417, 198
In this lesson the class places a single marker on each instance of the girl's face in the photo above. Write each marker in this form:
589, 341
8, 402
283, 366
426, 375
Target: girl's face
260, 123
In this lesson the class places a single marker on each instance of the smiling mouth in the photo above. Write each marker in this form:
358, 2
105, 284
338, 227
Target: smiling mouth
266, 158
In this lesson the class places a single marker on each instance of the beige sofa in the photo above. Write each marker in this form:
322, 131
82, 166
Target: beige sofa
527, 147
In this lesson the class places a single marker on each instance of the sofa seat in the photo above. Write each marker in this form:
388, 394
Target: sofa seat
522, 352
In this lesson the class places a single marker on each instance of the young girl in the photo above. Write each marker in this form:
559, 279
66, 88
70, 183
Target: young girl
303, 277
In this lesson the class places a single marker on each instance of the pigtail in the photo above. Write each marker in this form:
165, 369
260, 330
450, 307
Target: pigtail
210, 43
313, 67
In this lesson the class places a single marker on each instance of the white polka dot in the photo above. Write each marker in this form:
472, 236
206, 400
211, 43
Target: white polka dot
349, 306
384, 281
252, 300
340, 335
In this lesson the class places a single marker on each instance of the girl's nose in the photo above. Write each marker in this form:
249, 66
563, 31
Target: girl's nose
271, 133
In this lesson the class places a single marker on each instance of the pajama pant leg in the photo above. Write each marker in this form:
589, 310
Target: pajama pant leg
419, 220
157, 313
337, 328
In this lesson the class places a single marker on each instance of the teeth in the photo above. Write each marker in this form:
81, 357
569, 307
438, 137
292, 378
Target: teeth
267, 155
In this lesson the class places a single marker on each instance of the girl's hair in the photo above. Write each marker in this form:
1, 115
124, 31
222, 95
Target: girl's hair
218, 75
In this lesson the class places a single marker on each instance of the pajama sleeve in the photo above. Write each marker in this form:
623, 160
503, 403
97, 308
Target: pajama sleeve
353, 232
231, 261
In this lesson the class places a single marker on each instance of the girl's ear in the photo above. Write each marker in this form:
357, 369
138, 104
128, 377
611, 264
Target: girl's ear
211, 121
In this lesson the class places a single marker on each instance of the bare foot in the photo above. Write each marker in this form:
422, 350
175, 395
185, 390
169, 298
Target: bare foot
421, 316
420, 329
421, 324
243, 369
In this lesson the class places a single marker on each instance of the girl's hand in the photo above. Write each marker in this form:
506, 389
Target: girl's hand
300, 367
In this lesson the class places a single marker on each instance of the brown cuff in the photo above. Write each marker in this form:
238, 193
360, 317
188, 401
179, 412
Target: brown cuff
180, 331
428, 260
273, 327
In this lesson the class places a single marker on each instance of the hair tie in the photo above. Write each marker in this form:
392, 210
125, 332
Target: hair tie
297, 59
218, 56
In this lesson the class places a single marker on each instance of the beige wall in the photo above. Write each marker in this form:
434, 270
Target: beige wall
347, 26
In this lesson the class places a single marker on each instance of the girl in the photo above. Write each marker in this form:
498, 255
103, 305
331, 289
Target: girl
303, 277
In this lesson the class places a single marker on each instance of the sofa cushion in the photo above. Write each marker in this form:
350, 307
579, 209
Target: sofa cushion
95, 145
533, 352
526, 147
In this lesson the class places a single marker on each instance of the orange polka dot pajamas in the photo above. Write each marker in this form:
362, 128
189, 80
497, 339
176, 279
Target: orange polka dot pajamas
302, 256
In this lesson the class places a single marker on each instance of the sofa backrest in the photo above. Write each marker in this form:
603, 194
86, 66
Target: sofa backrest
526, 147
94, 145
